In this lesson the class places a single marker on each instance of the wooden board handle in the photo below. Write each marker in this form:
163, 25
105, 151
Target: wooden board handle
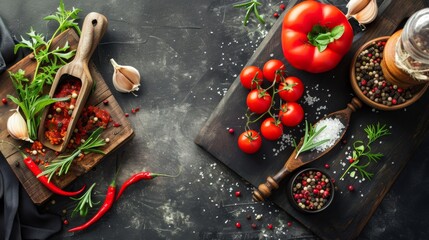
93, 29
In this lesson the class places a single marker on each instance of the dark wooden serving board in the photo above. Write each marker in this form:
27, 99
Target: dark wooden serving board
117, 135
350, 211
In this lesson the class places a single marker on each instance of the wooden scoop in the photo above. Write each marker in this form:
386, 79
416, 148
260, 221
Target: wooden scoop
264, 190
93, 29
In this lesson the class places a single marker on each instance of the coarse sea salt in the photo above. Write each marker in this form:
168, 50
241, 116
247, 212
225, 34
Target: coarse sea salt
332, 132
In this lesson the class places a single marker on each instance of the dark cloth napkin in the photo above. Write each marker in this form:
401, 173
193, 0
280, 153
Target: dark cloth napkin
19, 217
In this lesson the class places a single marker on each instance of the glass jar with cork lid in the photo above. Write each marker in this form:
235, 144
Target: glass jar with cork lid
406, 55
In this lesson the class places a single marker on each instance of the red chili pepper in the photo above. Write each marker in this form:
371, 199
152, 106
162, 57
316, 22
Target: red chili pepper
32, 166
137, 177
107, 204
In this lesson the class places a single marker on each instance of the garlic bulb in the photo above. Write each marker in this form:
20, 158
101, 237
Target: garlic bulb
125, 78
367, 14
17, 127
364, 11
355, 6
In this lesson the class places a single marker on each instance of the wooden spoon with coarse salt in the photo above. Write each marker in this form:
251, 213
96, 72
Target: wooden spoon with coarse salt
265, 189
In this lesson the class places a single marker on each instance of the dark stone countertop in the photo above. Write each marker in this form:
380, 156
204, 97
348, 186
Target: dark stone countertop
189, 53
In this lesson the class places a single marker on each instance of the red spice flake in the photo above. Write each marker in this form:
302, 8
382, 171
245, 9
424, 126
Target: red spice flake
137, 109
66, 222
127, 115
106, 102
59, 113
270, 226
351, 160
86, 124
115, 124
4, 101
133, 110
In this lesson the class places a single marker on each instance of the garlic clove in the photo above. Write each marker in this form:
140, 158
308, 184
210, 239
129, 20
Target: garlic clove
355, 6
125, 78
368, 14
17, 127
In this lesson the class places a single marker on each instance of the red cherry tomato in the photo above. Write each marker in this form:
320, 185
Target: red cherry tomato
249, 141
251, 77
291, 89
258, 101
274, 69
291, 114
271, 129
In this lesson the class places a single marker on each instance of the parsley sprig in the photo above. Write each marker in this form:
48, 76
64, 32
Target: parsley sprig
62, 164
48, 61
362, 150
307, 142
250, 6
85, 203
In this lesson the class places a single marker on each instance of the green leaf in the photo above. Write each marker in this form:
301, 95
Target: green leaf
337, 32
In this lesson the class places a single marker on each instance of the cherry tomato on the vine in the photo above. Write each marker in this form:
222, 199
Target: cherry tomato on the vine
258, 101
274, 69
271, 129
249, 141
291, 114
291, 89
251, 77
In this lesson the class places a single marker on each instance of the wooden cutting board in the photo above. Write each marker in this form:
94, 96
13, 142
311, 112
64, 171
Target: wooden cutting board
117, 135
330, 91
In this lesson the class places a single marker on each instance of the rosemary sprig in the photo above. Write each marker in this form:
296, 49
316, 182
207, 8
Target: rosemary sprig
361, 150
63, 163
307, 142
250, 6
85, 203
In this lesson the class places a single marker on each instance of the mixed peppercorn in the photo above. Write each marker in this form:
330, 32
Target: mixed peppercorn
312, 190
371, 81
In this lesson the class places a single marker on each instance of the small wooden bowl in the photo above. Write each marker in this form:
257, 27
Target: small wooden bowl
420, 90
293, 201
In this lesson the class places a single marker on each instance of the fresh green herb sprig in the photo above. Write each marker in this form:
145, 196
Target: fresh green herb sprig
63, 163
48, 61
362, 150
85, 203
307, 142
250, 6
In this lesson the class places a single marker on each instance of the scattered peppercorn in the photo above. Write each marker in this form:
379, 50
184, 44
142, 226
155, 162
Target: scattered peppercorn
289, 224
4, 101
238, 225
282, 6
327, 166
254, 226
65, 222
127, 115
106, 102
231, 130
351, 160
237, 193
351, 188
270, 226
115, 124
276, 15
248, 216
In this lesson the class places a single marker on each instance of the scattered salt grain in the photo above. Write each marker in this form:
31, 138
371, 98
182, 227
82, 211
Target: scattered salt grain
332, 132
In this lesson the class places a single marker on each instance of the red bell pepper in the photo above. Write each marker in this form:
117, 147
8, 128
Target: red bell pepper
315, 36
